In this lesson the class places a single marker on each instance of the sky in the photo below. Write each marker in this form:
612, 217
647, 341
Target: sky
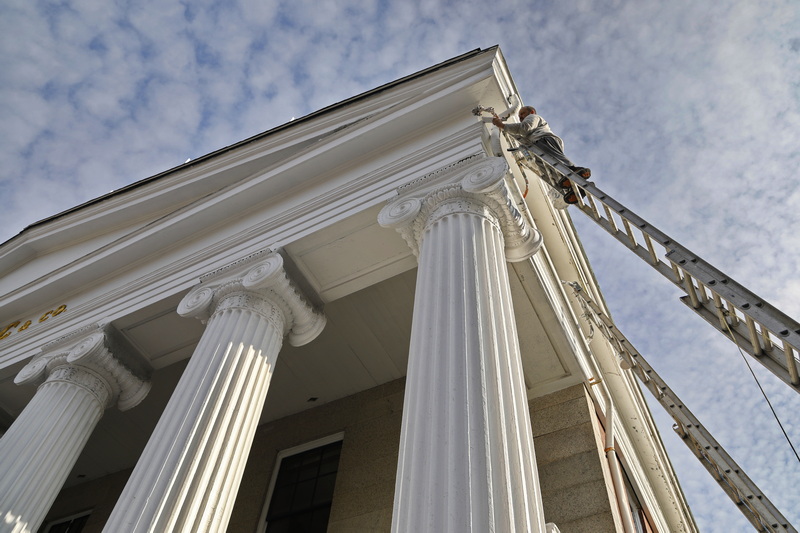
687, 112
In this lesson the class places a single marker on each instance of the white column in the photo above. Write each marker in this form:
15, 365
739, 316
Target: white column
466, 452
79, 376
188, 475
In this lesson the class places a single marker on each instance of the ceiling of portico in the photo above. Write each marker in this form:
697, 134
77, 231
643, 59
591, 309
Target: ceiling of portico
364, 343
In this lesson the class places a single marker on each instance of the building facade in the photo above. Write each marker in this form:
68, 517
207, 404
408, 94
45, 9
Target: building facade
353, 322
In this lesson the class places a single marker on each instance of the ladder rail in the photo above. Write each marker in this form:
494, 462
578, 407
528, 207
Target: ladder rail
752, 502
760, 329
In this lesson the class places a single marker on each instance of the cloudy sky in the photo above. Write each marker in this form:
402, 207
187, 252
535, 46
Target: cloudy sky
687, 112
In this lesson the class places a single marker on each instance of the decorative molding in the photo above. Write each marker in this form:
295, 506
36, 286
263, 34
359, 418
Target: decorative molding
85, 378
236, 266
473, 185
70, 338
403, 189
231, 296
95, 350
260, 284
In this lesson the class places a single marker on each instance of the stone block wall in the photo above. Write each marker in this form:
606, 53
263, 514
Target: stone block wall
567, 439
364, 491
572, 470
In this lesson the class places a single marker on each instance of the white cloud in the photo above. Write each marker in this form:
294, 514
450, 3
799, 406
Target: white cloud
688, 112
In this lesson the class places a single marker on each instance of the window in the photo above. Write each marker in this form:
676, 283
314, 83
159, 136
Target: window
303, 490
70, 524
640, 521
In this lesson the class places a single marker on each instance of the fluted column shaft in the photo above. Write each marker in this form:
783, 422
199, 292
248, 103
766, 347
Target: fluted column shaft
188, 475
466, 453
44, 442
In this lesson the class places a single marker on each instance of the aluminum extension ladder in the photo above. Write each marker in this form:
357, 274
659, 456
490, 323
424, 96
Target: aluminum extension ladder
761, 330
756, 507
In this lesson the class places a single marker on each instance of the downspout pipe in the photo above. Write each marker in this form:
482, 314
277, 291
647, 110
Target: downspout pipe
616, 472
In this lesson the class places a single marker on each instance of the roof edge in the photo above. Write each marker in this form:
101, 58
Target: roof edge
463, 57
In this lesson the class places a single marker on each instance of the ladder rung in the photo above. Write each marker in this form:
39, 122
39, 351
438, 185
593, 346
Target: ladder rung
689, 286
678, 274
703, 291
650, 248
723, 323
589, 200
751, 329
768, 344
628, 230
791, 363
734, 318
610, 217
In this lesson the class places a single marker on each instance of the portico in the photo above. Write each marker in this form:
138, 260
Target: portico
371, 274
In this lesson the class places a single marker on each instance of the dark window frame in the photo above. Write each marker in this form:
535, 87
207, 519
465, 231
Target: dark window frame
304, 471
77, 519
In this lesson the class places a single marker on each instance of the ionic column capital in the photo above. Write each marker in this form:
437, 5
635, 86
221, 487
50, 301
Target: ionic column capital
260, 284
478, 187
96, 359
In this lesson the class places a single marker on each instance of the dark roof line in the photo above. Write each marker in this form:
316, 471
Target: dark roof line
260, 136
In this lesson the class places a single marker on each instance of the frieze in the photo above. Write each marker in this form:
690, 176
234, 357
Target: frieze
20, 325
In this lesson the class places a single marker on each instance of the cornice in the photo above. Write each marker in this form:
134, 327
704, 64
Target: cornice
328, 121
